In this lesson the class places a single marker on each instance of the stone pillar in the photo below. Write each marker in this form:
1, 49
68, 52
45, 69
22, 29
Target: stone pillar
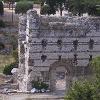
21, 40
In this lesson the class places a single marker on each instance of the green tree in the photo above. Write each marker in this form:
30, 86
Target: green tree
77, 7
83, 91
34, 1
23, 6
1, 8
60, 4
55, 5
87, 90
91, 7
84, 6
45, 10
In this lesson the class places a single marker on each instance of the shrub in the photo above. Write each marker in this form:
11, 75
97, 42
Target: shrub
83, 91
2, 24
39, 85
8, 68
23, 6
1, 8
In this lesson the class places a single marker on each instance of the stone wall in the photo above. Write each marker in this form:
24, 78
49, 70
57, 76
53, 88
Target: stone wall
44, 40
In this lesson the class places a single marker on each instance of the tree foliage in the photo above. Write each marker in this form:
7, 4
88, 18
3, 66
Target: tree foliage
78, 7
54, 5
87, 90
8, 68
1, 8
96, 66
83, 91
44, 10
23, 6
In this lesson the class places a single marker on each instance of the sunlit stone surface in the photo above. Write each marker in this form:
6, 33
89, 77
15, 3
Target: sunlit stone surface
41, 57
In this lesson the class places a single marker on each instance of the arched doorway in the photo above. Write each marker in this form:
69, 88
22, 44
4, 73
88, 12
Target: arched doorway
61, 73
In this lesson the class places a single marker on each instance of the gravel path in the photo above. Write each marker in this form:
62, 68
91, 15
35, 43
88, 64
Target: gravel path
42, 96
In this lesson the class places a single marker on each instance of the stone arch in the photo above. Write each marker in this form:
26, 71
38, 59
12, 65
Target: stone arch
65, 65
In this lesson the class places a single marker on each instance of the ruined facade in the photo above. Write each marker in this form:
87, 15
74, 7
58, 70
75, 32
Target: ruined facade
56, 48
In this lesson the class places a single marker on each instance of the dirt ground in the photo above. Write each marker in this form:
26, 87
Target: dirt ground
2, 79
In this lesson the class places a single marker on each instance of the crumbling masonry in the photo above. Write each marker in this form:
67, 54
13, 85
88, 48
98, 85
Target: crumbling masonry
54, 48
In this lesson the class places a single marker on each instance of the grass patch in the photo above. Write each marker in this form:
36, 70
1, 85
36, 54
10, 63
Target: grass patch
5, 60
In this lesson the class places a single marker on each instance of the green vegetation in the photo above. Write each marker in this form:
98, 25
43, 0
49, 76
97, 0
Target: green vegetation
39, 85
96, 67
5, 60
84, 6
87, 90
2, 24
53, 6
45, 10
77, 7
84, 91
23, 6
1, 8
34, 1
8, 68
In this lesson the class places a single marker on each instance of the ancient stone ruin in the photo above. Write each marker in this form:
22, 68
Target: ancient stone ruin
56, 50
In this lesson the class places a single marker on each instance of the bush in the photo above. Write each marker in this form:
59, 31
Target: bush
1, 8
39, 85
23, 6
83, 91
2, 24
8, 68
